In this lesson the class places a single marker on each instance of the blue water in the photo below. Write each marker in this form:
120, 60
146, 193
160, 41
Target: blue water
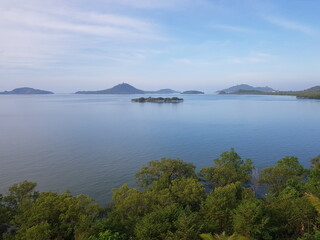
93, 143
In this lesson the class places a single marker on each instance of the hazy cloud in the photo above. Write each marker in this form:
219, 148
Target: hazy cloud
291, 25
257, 57
232, 28
111, 26
190, 61
35, 37
160, 4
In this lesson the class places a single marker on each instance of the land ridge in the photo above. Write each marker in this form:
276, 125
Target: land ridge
125, 88
310, 93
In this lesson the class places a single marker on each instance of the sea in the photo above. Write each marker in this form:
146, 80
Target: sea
92, 144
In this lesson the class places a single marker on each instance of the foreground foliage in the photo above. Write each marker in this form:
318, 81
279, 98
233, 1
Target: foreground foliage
174, 202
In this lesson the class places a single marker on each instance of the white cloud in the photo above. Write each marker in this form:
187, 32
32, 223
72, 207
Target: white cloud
257, 57
36, 36
232, 28
189, 61
111, 26
291, 25
147, 3
115, 20
160, 4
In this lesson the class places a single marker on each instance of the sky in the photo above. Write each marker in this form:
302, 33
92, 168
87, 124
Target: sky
66, 46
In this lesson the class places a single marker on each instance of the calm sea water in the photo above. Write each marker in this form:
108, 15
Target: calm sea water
93, 143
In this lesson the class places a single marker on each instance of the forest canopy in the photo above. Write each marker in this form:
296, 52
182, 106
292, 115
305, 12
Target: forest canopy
227, 200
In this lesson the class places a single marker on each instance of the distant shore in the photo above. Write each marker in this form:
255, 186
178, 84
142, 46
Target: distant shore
297, 94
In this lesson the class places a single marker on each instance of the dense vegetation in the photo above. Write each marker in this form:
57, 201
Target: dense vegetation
158, 100
192, 92
228, 200
308, 95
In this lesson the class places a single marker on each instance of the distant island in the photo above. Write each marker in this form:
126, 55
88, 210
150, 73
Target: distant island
162, 91
245, 87
310, 93
26, 91
125, 88
158, 100
192, 92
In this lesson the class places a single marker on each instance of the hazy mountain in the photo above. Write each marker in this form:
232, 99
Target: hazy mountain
125, 88
192, 92
313, 89
122, 88
246, 87
26, 90
163, 91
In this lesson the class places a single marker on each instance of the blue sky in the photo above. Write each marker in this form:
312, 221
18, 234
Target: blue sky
65, 46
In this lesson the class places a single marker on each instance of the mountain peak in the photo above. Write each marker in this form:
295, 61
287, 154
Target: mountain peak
123, 84
125, 88
122, 88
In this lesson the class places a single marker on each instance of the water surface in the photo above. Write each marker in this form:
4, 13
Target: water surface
93, 143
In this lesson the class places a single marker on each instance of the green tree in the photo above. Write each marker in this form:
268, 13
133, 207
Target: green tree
315, 201
292, 215
130, 205
313, 184
167, 169
60, 216
315, 162
287, 170
217, 209
40, 231
20, 192
4, 217
131, 202
158, 223
250, 219
186, 226
170, 222
229, 168
187, 192
108, 235
222, 236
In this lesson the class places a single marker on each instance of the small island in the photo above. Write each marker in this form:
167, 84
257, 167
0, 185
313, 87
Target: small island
26, 91
158, 100
192, 92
